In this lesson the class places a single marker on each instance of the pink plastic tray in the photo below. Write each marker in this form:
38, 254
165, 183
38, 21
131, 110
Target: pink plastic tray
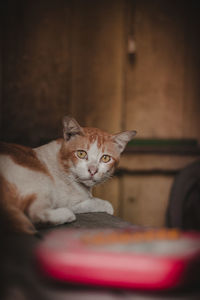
150, 259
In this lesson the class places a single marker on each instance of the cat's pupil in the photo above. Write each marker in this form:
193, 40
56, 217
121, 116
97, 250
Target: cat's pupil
105, 158
81, 154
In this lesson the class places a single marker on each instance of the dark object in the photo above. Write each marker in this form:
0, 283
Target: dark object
184, 203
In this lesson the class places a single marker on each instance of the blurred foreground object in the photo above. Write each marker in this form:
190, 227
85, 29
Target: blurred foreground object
124, 258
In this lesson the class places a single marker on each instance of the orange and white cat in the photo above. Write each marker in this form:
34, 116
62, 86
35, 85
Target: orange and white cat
51, 183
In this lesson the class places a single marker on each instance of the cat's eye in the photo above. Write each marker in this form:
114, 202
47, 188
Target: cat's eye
105, 158
81, 154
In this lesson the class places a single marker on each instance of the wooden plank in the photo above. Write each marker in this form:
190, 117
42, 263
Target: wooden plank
155, 81
1, 79
88, 220
162, 99
151, 161
191, 109
37, 69
145, 199
98, 49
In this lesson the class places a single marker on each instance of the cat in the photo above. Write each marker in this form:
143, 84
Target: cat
53, 182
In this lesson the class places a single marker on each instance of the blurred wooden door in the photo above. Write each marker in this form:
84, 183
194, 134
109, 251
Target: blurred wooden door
161, 99
36, 69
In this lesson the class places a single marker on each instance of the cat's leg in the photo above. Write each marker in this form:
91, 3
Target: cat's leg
18, 221
93, 205
54, 216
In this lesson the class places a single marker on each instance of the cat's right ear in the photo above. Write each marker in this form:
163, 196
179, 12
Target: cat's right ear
71, 128
122, 138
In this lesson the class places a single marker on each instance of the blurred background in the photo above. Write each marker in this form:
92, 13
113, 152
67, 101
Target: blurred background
112, 64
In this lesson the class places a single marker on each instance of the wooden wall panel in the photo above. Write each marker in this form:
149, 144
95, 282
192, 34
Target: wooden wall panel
145, 199
98, 73
161, 99
70, 57
155, 81
36, 69
148, 162
0, 78
98, 51
191, 108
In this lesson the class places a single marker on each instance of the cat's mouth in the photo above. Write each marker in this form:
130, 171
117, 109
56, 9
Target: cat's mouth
89, 181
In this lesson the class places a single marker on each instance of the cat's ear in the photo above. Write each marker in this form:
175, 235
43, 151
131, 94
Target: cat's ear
71, 128
121, 139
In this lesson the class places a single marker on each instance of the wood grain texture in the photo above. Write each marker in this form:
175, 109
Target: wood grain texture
89, 220
161, 99
191, 102
98, 49
155, 81
1, 79
151, 161
36, 69
145, 199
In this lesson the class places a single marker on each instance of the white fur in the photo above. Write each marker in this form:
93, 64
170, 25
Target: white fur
93, 160
64, 191
59, 197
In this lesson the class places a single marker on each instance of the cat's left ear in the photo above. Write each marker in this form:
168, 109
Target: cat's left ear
71, 128
121, 139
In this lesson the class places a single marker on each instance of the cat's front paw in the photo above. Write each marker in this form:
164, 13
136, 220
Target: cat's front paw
107, 207
55, 216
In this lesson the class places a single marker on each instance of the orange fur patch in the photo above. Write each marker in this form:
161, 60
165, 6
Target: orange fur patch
67, 153
24, 156
95, 134
14, 207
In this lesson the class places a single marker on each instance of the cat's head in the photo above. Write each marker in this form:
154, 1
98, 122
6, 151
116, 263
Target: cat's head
90, 154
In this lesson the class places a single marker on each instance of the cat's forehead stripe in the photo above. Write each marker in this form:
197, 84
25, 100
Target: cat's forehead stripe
96, 135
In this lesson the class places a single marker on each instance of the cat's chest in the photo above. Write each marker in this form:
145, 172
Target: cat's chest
68, 193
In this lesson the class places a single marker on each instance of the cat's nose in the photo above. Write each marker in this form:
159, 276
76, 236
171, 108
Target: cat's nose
92, 170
